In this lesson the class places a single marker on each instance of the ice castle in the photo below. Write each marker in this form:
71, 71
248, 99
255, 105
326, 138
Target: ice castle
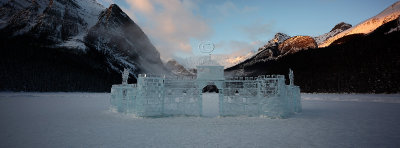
158, 96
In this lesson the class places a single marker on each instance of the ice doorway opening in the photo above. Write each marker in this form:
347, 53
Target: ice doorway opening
210, 101
210, 89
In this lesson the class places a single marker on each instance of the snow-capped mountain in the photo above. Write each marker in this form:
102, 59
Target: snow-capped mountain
366, 27
335, 30
63, 33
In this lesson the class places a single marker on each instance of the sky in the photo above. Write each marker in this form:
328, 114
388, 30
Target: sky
236, 27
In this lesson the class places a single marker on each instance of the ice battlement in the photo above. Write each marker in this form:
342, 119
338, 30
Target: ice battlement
261, 77
160, 95
156, 76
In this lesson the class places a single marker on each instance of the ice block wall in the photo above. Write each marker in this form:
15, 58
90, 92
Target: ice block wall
260, 96
182, 97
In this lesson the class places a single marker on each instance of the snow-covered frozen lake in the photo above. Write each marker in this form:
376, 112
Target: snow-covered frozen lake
84, 120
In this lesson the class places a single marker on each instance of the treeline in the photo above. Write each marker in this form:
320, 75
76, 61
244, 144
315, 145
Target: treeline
26, 64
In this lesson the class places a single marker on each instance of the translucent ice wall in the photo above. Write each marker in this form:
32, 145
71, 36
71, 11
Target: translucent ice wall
182, 97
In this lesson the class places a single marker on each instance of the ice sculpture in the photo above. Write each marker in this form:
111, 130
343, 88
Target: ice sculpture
125, 76
291, 77
160, 95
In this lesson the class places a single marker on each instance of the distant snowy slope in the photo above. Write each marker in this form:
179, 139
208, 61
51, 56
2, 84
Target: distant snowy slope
387, 15
178, 69
225, 60
89, 11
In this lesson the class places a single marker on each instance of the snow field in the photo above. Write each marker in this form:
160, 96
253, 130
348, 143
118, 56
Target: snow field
84, 120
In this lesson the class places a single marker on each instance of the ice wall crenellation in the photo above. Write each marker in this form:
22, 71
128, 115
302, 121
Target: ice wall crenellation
159, 96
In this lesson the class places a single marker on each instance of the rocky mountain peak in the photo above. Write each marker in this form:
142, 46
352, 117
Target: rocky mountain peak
114, 8
341, 26
280, 37
115, 15
297, 43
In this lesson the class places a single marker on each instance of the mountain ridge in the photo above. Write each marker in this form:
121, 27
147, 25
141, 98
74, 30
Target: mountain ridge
361, 64
355, 63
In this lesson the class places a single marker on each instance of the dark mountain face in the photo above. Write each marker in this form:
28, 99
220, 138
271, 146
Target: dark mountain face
364, 64
122, 40
347, 38
70, 45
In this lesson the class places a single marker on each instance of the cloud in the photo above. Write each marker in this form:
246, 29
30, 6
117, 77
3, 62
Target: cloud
239, 48
170, 24
258, 30
144, 6
228, 8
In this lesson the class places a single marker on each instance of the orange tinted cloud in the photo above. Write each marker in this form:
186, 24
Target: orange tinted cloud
141, 5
